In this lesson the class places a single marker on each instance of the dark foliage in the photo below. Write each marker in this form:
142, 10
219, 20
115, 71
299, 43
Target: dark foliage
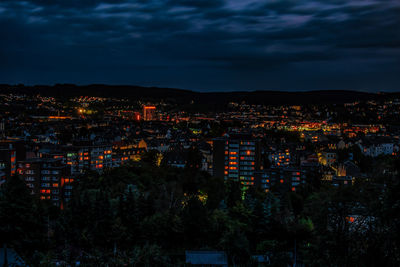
145, 215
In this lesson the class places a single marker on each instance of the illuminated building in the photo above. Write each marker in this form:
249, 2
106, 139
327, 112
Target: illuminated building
236, 157
84, 156
377, 147
123, 152
136, 116
149, 113
7, 163
280, 158
327, 158
280, 179
92, 157
48, 178
11, 151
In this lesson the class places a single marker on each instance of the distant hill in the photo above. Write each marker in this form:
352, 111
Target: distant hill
187, 96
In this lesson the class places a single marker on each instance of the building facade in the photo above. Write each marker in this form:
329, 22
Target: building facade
237, 158
149, 113
280, 179
48, 178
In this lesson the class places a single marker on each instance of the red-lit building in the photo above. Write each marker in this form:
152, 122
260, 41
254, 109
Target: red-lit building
149, 113
136, 116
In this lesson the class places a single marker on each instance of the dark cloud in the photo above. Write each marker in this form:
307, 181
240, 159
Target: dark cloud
203, 45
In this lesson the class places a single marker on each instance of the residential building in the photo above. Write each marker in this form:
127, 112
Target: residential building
280, 179
236, 157
47, 177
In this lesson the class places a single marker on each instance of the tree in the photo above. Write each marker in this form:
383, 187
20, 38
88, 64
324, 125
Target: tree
19, 225
234, 194
195, 223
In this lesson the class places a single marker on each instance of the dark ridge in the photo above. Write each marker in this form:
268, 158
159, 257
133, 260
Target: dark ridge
186, 96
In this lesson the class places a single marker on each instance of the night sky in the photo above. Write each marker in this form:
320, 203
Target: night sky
203, 45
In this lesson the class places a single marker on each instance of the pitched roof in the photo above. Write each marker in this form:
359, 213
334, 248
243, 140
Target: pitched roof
206, 257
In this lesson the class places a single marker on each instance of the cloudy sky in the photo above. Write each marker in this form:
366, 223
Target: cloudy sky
203, 45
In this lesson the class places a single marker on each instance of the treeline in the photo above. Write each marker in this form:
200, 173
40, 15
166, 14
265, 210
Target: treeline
142, 214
